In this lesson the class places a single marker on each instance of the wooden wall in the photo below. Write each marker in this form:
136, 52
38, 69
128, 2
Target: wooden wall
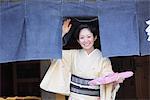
134, 88
142, 77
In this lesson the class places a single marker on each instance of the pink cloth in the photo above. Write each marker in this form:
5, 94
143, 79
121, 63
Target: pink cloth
113, 77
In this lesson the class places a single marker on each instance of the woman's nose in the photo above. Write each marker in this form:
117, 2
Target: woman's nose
85, 39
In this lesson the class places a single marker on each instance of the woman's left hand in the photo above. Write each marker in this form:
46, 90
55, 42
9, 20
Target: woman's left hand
120, 80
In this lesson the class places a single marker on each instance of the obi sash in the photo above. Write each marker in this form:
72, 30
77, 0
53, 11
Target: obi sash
80, 85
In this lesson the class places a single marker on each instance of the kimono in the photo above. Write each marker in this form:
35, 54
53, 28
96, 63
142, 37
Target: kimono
58, 78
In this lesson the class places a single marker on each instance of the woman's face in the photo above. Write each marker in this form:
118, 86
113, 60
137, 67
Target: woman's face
86, 39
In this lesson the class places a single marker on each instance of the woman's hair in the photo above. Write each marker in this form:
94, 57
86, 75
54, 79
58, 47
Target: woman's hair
82, 26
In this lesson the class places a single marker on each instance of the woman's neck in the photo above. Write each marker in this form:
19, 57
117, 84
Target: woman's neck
88, 51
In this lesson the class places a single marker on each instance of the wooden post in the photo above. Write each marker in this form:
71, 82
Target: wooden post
60, 97
0, 82
44, 65
142, 77
15, 87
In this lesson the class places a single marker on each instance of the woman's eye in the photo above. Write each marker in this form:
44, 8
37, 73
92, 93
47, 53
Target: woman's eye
89, 36
81, 37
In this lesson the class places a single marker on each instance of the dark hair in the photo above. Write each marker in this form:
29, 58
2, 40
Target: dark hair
82, 26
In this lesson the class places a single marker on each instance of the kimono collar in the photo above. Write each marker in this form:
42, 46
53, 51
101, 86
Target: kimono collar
95, 51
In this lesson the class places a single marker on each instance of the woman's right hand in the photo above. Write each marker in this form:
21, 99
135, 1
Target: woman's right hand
66, 26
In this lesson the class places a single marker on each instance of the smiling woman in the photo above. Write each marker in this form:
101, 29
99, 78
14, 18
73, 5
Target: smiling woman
70, 39
71, 74
86, 38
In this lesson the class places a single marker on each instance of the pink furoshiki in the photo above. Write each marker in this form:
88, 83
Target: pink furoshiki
113, 77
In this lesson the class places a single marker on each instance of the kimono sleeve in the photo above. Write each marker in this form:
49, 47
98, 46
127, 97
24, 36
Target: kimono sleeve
106, 68
57, 78
108, 93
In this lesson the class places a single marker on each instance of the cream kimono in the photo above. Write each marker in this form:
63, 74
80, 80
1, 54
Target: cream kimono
79, 63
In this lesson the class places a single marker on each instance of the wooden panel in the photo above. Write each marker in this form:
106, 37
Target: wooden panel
26, 78
142, 78
127, 89
60, 97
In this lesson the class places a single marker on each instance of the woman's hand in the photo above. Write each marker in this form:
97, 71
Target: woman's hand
66, 26
120, 80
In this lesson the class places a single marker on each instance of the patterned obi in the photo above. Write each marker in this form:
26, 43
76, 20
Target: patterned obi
80, 85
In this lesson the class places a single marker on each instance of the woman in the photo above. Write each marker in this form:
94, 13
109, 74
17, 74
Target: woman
71, 74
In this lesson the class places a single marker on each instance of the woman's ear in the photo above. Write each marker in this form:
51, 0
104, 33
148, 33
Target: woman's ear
95, 38
78, 41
